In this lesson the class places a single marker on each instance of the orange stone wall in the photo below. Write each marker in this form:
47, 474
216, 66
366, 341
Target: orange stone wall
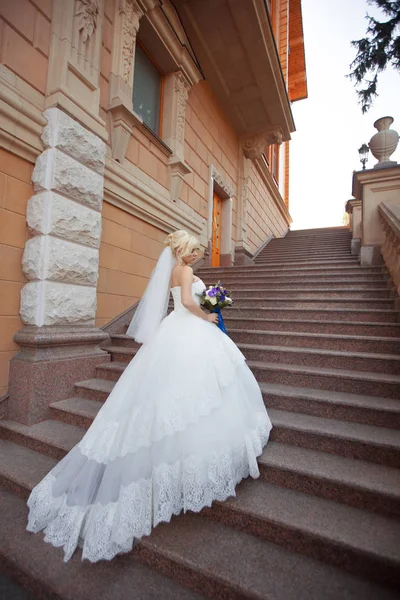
209, 139
25, 39
128, 252
15, 191
263, 216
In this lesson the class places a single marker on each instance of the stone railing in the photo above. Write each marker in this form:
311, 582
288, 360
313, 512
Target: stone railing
389, 215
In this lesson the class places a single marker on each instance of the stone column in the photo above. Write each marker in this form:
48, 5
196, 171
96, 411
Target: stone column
59, 344
372, 187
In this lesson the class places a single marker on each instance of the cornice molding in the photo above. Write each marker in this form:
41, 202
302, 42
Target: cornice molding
126, 191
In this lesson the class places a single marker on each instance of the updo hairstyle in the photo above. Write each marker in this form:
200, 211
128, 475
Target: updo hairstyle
181, 244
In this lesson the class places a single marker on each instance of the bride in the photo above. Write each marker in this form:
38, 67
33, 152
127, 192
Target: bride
183, 425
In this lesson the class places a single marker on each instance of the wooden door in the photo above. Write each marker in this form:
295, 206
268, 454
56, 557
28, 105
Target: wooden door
216, 231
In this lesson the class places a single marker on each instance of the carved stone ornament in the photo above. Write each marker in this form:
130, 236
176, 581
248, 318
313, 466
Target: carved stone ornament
228, 189
182, 87
129, 31
254, 145
87, 12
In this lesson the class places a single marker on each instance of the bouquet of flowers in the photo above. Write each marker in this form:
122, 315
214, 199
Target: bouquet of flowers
215, 298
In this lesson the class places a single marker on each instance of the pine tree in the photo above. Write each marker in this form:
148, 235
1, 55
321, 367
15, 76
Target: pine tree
378, 50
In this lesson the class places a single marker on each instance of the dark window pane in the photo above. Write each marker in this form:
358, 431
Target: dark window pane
146, 90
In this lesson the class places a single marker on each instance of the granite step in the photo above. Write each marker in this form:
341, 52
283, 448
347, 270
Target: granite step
355, 540
302, 250
369, 410
94, 389
110, 371
301, 247
276, 261
266, 300
306, 270
310, 294
122, 354
319, 357
330, 256
348, 343
78, 411
193, 551
314, 313
363, 485
253, 270
352, 440
337, 380
335, 359
39, 567
314, 232
369, 443
373, 343
296, 280
50, 437
380, 329
304, 286
347, 481
22, 468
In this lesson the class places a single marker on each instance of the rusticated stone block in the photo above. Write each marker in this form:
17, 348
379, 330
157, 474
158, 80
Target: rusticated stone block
68, 135
50, 213
46, 257
59, 172
53, 303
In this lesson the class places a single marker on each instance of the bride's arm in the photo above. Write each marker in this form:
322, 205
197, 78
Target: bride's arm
187, 298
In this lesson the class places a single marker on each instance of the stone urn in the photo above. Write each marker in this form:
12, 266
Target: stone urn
384, 143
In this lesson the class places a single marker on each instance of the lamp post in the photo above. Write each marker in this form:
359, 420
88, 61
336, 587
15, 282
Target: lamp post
363, 152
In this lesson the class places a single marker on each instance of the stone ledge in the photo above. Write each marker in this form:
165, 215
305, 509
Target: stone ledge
123, 189
123, 122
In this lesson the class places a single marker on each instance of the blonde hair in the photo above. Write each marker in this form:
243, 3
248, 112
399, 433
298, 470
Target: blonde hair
181, 243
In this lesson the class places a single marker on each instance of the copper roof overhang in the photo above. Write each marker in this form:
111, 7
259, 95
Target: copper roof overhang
297, 74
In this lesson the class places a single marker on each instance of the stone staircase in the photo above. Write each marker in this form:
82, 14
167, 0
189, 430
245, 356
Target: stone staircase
323, 521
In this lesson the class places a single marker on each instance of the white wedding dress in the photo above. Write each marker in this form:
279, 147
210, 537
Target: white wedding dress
183, 425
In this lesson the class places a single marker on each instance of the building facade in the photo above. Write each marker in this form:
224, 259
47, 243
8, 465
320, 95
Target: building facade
120, 121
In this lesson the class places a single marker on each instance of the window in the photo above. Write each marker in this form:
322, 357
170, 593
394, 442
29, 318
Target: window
147, 90
272, 158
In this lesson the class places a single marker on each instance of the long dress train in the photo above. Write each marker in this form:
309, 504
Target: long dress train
182, 426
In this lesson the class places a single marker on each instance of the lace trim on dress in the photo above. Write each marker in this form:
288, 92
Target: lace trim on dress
103, 531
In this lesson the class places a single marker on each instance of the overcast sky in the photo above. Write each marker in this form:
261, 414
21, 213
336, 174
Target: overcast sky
329, 124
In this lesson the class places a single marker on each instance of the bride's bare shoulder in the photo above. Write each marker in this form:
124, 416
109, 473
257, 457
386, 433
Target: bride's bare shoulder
179, 273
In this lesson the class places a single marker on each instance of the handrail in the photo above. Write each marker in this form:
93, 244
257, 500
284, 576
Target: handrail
389, 215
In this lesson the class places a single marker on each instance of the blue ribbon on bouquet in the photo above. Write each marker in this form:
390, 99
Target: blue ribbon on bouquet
221, 323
